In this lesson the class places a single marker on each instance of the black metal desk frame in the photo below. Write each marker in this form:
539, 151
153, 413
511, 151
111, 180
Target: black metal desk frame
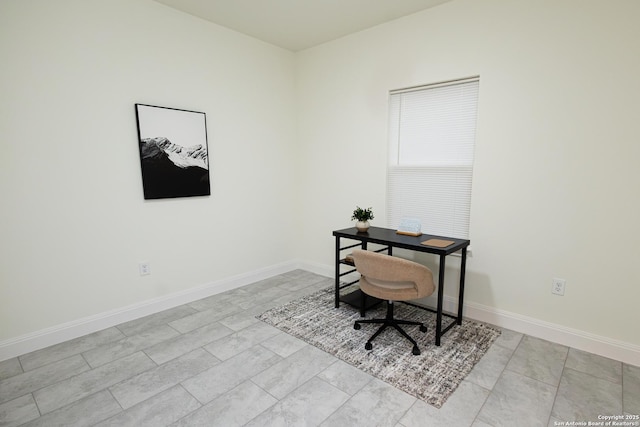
390, 239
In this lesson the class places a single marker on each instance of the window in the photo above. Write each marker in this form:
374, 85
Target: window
431, 142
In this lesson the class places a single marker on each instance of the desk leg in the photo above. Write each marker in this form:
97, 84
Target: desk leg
363, 303
463, 265
337, 273
440, 297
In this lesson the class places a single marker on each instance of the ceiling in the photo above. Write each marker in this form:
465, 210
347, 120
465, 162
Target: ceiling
299, 24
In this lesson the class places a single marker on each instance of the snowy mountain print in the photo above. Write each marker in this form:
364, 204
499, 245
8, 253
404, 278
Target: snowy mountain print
171, 170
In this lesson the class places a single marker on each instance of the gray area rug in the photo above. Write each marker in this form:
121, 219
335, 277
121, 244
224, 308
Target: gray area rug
432, 376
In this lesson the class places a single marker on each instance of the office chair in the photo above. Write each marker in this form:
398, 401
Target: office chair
392, 279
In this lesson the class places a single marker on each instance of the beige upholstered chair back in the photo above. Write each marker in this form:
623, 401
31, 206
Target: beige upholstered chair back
392, 278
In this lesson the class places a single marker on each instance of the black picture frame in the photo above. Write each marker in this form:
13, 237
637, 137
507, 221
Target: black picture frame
174, 152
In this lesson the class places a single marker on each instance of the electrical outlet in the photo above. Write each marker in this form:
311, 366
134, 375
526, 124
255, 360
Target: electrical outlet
145, 268
557, 286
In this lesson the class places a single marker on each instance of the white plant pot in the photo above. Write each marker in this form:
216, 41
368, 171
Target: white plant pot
362, 226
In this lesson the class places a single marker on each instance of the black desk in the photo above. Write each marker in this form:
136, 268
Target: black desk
390, 239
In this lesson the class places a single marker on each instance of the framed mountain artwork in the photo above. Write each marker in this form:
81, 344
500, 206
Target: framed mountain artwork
173, 152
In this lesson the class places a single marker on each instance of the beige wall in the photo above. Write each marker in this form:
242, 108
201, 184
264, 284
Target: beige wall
296, 141
555, 190
74, 224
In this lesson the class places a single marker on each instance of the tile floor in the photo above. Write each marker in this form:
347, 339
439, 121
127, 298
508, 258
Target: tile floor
211, 363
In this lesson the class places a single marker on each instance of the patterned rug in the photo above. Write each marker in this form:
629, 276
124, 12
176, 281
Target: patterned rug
432, 376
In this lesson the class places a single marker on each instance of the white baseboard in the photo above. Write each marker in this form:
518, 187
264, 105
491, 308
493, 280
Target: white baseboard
317, 268
603, 346
77, 328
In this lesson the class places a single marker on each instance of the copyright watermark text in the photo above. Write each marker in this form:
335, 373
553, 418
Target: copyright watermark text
605, 421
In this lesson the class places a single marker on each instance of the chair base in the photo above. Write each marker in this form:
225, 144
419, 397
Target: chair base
390, 321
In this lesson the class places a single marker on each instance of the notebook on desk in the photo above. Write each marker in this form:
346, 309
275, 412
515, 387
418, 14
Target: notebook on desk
438, 243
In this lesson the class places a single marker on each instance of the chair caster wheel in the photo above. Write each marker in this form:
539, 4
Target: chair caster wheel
368, 346
356, 326
416, 351
423, 328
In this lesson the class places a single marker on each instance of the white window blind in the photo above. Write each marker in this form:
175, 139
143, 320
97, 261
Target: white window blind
431, 142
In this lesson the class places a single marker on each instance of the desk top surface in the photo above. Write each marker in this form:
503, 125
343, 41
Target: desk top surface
387, 236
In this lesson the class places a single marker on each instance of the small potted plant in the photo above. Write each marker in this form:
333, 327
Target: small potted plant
362, 216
